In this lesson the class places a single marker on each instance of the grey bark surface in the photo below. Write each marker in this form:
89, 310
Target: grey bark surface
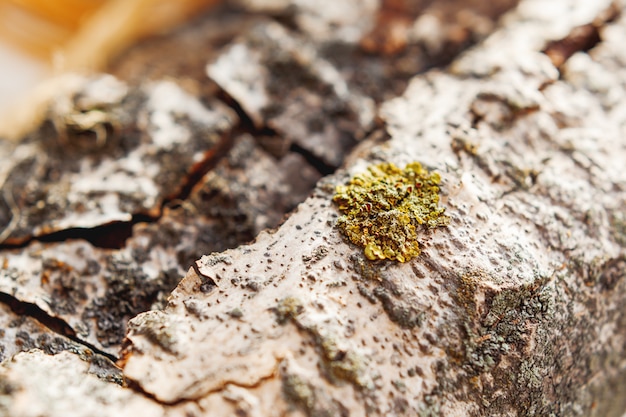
515, 308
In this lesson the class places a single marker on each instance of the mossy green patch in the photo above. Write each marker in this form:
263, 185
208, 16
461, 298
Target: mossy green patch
384, 207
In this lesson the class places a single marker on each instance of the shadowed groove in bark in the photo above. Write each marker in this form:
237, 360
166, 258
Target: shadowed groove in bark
247, 126
107, 236
582, 38
55, 324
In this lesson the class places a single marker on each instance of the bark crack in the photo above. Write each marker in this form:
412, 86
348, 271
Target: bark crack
581, 38
115, 234
54, 324
136, 386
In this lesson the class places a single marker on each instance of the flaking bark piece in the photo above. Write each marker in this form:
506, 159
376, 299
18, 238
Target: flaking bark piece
22, 333
280, 82
35, 384
106, 154
94, 291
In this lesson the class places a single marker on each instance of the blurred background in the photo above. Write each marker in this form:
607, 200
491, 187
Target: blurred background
41, 38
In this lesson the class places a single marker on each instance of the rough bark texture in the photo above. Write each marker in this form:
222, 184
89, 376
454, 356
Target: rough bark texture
515, 308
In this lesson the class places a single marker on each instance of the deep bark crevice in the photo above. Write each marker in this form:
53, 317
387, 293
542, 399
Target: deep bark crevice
54, 324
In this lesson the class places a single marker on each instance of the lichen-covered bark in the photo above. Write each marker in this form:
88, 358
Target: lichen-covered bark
515, 308
496, 314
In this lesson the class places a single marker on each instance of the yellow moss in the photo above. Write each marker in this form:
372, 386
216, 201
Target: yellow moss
384, 207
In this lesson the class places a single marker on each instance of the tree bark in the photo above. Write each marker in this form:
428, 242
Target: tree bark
514, 308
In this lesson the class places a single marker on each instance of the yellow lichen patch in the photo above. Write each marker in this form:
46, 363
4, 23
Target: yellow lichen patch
384, 208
